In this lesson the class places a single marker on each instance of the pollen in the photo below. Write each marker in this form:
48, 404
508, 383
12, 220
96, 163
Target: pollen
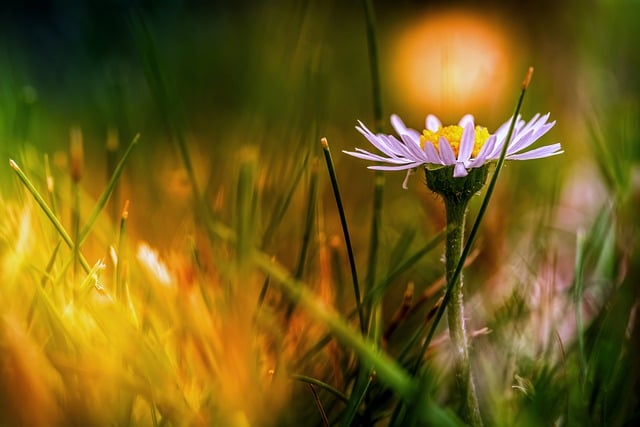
453, 135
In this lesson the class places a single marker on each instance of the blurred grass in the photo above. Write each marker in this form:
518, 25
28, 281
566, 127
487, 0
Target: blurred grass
252, 94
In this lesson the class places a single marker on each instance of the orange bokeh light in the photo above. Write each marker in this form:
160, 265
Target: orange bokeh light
453, 62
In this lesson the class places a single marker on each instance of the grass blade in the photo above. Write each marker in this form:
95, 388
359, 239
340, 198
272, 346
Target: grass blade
578, 287
48, 212
308, 230
310, 380
104, 197
345, 232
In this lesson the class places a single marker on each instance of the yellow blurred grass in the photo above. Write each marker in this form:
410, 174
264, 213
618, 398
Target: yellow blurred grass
87, 361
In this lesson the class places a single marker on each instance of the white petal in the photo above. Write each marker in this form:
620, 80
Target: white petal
467, 141
398, 124
402, 129
394, 145
402, 149
538, 153
382, 142
501, 134
375, 140
540, 131
519, 142
414, 146
534, 130
395, 168
486, 149
532, 136
467, 118
365, 155
459, 171
432, 123
432, 153
533, 122
446, 153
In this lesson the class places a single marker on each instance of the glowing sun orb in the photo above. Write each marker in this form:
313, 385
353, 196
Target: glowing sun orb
452, 62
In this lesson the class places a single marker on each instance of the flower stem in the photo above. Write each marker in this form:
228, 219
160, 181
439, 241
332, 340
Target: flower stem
469, 409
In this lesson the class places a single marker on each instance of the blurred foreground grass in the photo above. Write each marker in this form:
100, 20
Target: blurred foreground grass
181, 320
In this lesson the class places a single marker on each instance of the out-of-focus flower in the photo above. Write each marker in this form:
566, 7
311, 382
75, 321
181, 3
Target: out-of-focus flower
464, 146
153, 264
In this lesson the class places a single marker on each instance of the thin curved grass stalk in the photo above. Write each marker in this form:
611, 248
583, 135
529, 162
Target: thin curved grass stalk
245, 209
277, 216
46, 277
316, 399
48, 212
77, 166
122, 253
372, 309
107, 192
283, 204
345, 232
360, 390
372, 46
111, 153
50, 184
310, 380
308, 230
374, 313
578, 289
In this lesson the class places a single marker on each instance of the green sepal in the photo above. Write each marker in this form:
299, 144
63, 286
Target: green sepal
442, 182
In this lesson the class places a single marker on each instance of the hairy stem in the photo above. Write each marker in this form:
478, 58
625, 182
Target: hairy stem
469, 409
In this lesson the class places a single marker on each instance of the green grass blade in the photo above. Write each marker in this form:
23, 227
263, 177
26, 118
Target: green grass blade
360, 390
122, 253
75, 223
332, 390
308, 231
48, 212
323, 413
345, 232
106, 194
46, 277
372, 47
50, 184
578, 288
373, 304
245, 207
283, 205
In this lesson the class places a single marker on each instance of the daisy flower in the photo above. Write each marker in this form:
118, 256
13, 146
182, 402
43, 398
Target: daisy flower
464, 146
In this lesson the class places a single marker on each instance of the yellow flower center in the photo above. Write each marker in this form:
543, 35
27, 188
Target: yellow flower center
453, 135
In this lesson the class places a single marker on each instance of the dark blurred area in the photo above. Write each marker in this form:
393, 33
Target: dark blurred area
234, 55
